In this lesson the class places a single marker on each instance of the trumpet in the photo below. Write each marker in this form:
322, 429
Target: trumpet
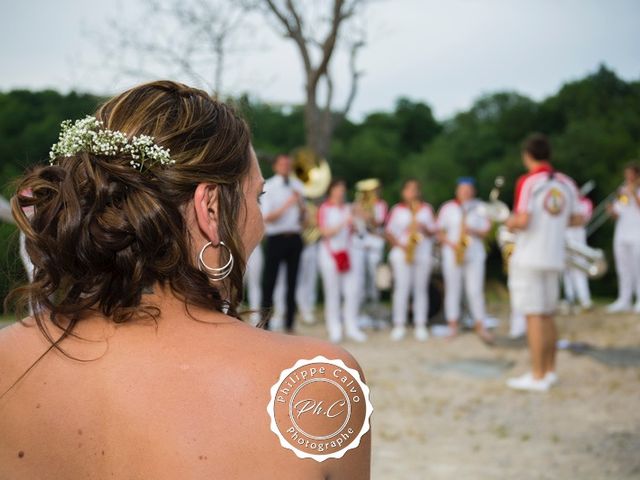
495, 210
587, 259
602, 213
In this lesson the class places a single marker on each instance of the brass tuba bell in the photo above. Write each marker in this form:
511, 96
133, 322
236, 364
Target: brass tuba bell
312, 170
315, 175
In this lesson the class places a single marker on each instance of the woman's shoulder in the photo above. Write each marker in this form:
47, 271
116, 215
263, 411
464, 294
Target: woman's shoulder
18, 341
21, 345
287, 349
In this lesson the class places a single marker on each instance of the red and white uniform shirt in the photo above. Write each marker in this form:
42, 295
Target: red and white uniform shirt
399, 225
450, 221
550, 198
330, 216
628, 212
380, 212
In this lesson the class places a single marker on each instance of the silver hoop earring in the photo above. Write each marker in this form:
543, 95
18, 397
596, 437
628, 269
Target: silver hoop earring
219, 273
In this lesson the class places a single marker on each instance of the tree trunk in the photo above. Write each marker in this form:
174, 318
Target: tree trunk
318, 128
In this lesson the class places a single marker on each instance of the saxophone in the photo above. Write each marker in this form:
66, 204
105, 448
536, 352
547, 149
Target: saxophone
464, 240
414, 234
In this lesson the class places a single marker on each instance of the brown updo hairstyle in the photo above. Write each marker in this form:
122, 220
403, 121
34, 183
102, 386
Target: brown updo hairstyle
103, 232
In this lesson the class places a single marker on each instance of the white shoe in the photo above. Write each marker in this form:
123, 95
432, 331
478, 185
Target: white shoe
335, 338
618, 307
365, 321
357, 335
527, 382
308, 318
276, 324
398, 333
551, 378
421, 333
636, 307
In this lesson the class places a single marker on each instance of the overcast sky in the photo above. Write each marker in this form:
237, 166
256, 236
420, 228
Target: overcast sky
446, 53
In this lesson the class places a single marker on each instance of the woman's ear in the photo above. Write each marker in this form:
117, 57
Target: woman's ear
205, 202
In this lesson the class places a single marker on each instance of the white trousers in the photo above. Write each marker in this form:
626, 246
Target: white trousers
575, 285
372, 259
253, 278
358, 257
306, 288
410, 280
341, 293
627, 256
468, 276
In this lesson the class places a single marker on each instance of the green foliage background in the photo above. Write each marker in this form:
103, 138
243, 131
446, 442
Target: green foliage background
594, 124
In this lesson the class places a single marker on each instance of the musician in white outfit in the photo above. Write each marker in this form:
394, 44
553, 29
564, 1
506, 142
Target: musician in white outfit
576, 281
546, 204
410, 229
626, 241
462, 227
283, 213
336, 260
369, 224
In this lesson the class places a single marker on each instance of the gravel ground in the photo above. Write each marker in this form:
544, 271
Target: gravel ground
442, 410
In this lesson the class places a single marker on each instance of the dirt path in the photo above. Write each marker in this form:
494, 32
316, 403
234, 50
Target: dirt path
442, 411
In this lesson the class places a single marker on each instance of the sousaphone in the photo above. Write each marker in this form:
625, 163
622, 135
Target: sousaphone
314, 173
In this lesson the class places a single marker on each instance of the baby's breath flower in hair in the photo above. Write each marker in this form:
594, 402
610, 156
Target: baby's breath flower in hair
89, 135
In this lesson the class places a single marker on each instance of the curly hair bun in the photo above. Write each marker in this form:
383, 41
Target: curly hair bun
100, 232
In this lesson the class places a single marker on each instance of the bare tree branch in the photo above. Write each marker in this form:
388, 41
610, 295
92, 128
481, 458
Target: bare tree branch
329, 43
298, 25
293, 29
355, 76
194, 38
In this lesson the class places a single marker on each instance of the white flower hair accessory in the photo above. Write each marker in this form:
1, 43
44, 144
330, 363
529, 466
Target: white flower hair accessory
89, 135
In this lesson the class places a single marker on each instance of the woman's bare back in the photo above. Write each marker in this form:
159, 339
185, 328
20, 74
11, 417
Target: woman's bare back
183, 400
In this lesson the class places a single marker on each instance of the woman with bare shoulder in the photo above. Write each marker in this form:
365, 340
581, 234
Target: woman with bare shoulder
135, 363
